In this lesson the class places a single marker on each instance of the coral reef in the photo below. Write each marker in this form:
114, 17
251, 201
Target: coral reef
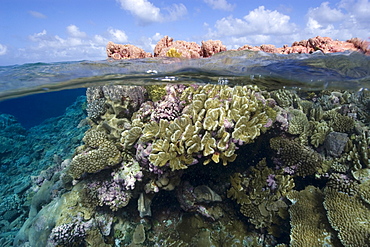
202, 165
349, 215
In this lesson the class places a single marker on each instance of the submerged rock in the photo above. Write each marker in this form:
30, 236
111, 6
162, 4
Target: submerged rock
335, 143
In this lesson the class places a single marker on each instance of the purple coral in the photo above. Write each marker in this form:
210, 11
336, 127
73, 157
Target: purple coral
110, 193
127, 175
171, 106
271, 182
70, 234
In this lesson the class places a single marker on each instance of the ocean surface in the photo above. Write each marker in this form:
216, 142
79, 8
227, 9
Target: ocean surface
44, 114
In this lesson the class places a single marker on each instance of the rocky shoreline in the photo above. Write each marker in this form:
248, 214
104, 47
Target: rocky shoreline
167, 47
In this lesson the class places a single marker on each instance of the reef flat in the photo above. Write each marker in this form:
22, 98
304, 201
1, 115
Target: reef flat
200, 165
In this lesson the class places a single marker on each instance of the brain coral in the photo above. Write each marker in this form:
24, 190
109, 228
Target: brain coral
97, 153
216, 119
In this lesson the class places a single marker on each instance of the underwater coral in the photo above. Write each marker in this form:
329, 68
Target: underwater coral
207, 165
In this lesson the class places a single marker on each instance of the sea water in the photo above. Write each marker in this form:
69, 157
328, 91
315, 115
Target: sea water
42, 112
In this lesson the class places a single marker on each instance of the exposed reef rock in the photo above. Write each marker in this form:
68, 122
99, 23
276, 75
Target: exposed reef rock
167, 47
118, 51
324, 44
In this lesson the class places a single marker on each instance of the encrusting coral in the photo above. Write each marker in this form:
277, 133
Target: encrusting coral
309, 226
349, 215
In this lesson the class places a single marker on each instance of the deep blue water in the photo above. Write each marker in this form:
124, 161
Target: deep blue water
33, 109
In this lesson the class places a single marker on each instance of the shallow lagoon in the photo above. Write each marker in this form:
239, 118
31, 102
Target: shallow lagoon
241, 149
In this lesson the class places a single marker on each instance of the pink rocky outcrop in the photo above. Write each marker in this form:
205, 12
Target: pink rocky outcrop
208, 48
211, 47
186, 49
165, 42
118, 51
324, 44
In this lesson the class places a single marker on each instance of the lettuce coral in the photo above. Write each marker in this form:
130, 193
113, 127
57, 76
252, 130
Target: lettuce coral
97, 154
215, 120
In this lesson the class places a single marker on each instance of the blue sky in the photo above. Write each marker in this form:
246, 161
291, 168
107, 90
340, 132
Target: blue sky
68, 30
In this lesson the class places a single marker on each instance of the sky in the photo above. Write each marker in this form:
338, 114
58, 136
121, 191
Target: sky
72, 30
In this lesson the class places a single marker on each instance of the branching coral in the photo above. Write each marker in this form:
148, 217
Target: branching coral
298, 159
339, 122
97, 154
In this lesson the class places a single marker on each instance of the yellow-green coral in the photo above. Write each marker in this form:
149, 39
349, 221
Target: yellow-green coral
156, 92
97, 154
173, 52
261, 203
357, 153
309, 225
285, 98
320, 131
298, 122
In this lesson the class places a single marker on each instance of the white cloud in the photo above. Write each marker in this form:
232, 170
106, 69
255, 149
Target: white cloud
148, 43
349, 19
74, 31
77, 45
360, 9
3, 49
99, 40
117, 35
257, 27
325, 15
146, 12
175, 12
220, 4
37, 14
